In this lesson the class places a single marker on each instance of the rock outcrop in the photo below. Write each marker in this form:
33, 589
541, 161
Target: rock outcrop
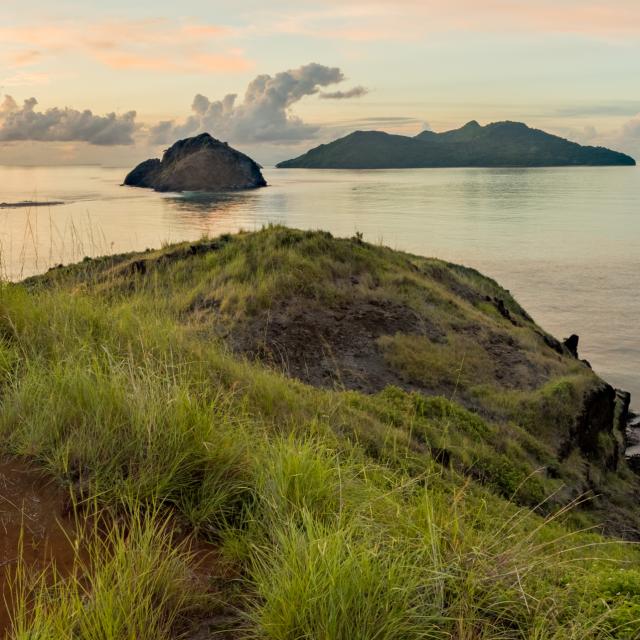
632, 441
572, 344
595, 425
201, 163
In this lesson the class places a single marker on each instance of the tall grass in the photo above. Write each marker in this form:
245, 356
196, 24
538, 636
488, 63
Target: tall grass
325, 582
132, 581
334, 508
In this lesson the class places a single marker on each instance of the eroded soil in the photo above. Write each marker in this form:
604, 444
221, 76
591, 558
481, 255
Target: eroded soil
37, 526
34, 524
331, 347
336, 347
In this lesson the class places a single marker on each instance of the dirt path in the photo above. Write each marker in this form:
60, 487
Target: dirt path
32, 509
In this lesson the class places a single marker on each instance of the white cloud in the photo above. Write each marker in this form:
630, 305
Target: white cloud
625, 138
631, 129
9, 105
63, 125
264, 113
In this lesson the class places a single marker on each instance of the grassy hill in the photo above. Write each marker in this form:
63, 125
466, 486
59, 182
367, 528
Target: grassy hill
371, 444
500, 144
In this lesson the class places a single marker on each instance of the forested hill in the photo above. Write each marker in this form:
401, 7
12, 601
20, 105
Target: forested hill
501, 144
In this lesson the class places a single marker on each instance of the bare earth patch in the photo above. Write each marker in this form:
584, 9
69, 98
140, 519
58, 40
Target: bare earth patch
34, 524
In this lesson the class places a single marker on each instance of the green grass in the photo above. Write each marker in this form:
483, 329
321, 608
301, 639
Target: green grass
128, 581
344, 515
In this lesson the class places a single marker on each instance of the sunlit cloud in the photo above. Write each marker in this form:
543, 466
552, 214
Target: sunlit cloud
23, 79
193, 63
151, 45
263, 115
24, 58
373, 20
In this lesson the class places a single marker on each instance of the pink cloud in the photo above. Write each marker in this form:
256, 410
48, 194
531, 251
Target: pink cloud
193, 63
152, 45
361, 20
21, 79
24, 58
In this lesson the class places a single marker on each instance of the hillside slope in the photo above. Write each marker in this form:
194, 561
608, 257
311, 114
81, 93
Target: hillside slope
345, 315
374, 444
500, 144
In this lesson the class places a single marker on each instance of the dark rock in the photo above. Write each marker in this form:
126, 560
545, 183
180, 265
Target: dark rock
571, 343
621, 418
198, 164
550, 341
501, 308
594, 426
634, 463
632, 441
139, 266
143, 175
622, 413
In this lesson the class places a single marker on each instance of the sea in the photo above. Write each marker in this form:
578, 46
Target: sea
564, 241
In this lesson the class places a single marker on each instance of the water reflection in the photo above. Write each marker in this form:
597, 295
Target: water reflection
566, 242
205, 203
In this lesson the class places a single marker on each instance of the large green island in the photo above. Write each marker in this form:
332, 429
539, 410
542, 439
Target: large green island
501, 144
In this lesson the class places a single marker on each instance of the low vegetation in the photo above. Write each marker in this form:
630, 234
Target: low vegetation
434, 501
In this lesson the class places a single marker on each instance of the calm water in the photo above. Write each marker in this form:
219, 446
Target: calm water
566, 242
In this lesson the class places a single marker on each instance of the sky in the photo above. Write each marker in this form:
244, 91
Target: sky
116, 82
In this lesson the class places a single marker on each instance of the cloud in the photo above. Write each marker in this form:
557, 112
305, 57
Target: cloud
21, 79
262, 116
8, 105
63, 125
625, 138
382, 122
629, 137
356, 92
192, 63
621, 108
631, 129
401, 125
373, 20
24, 58
158, 44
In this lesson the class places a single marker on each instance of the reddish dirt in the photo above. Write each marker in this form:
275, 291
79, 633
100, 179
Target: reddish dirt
214, 575
32, 516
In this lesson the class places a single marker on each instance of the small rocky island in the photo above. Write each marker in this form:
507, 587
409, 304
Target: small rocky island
27, 204
500, 144
201, 163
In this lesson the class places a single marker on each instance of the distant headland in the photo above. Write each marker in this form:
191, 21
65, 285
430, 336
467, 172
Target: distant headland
500, 144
